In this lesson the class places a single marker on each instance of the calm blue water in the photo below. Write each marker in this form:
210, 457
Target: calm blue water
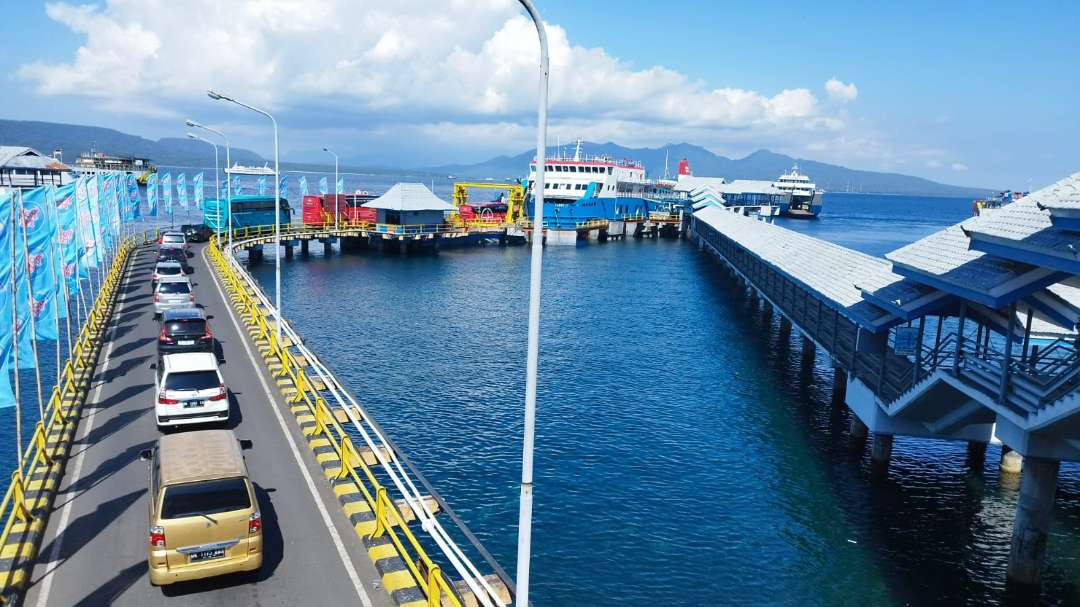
684, 454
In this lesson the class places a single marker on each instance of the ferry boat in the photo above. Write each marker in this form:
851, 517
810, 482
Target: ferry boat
582, 188
94, 163
805, 199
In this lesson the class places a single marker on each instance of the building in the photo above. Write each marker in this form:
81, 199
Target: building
24, 167
410, 204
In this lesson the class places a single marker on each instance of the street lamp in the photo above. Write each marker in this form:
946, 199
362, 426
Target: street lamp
521, 593
277, 208
228, 176
217, 179
337, 203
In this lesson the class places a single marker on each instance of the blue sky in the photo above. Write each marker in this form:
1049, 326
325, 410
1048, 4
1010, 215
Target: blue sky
968, 93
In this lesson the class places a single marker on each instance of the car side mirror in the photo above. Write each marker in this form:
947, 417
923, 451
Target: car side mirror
246, 443
145, 455
209, 317
153, 365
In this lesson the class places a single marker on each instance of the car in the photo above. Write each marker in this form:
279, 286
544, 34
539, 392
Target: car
172, 292
185, 330
196, 232
189, 390
172, 239
174, 254
167, 268
203, 513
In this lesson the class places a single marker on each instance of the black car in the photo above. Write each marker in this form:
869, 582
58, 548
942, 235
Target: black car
174, 254
196, 232
185, 330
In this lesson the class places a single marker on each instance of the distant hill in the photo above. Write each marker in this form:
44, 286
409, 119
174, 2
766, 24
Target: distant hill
74, 139
762, 164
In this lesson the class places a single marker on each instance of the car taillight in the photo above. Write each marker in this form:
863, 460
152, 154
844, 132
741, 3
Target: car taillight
162, 400
164, 337
157, 298
254, 523
191, 297
157, 536
221, 394
208, 334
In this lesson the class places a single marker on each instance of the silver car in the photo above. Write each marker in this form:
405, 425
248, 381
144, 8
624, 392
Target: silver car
165, 270
170, 293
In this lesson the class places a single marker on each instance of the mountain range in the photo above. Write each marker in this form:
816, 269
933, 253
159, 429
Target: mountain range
174, 151
74, 139
761, 164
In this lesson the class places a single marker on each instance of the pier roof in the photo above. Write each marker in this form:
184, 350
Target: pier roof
22, 157
409, 197
1063, 195
832, 273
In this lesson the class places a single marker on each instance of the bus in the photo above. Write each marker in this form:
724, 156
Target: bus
247, 211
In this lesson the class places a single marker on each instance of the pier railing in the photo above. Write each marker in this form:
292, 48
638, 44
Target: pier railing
330, 416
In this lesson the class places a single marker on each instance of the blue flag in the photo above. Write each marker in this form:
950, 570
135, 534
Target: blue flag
7, 398
66, 235
181, 190
238, 188
323, 187
151, 194
262, 186
283, 185
87, 226
340, 189
133, 197
37, 223
303, 185
166, 193
197, 189
225, 187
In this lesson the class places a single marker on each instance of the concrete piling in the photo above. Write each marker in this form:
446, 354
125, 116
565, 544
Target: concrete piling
305, 248
1011, 461
881, 453
1038, 484
839, 386
858, 429
976, 454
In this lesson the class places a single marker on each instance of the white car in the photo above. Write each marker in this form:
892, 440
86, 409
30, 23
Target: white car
189, 390
173, 239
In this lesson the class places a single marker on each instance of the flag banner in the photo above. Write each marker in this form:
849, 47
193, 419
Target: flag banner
151, 194
86, 229
166, 193
262, 186
21, 294
197, 190
39, 231
7, 397
133, 197
101, 215
340, 188
283, 186
323, 187
225, 187
303, 185
238, 186
181, 190
66, 236
112, 208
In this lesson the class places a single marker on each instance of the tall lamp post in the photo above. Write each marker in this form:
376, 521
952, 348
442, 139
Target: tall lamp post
228, 176
217, 179
278, 317
521, 593
337, 202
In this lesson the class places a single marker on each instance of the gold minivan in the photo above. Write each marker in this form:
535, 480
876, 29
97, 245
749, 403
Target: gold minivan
204, 518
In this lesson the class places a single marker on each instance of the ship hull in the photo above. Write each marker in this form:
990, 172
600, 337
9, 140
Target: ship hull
804, 209
568, 214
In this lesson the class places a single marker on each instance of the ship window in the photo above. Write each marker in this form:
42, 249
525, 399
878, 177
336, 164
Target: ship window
609, 170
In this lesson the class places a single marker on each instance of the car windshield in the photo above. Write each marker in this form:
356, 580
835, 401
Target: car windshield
192, 380
207, 497
174, 288
185, 327
168, 270
172, 239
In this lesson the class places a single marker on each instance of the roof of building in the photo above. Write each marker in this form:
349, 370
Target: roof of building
836, 274
200, 455
409, 197
1064, 194
21, 157
689, 183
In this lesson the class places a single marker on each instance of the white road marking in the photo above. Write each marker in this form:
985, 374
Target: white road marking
76, 471
270, 398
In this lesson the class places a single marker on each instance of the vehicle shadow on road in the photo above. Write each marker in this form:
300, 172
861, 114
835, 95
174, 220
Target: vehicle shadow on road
83, 529
103, 471
132, 345
108, 592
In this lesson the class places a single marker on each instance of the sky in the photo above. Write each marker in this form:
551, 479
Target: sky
970, 93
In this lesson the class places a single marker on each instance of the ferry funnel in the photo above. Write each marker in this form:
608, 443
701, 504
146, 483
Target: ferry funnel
684, 167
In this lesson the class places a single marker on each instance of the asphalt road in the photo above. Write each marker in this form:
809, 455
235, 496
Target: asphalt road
94, 551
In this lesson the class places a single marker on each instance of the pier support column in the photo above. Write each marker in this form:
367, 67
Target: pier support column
1011, 461
1038, 484
976, 454
288, 251
881, 453
858, 429
809, 350
785, 326
305, 248
328, 247
839, 386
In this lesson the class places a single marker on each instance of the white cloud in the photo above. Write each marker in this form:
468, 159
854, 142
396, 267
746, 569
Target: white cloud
439, 66
959, 166
840, 92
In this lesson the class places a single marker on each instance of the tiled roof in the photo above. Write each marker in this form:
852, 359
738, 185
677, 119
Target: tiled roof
1064, 194
409, 197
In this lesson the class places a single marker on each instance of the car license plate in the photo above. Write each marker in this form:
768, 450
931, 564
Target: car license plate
191, 404
207, 555
186, 342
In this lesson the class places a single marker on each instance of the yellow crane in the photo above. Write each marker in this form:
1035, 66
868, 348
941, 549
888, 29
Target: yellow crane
515, 201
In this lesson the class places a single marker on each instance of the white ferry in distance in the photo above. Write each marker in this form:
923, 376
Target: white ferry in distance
805, 199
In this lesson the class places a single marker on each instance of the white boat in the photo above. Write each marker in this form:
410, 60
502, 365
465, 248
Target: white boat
805, 198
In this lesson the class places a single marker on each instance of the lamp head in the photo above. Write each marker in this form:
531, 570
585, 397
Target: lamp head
214, 95
192, 123
325, 150
192, 136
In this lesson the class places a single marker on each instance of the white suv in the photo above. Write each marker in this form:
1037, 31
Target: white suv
189, 390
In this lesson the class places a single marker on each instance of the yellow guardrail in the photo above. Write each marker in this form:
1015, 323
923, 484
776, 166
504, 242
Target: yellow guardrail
388, 519
53, 434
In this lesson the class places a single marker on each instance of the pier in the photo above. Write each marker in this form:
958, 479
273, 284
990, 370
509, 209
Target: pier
968, 334
347, 518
